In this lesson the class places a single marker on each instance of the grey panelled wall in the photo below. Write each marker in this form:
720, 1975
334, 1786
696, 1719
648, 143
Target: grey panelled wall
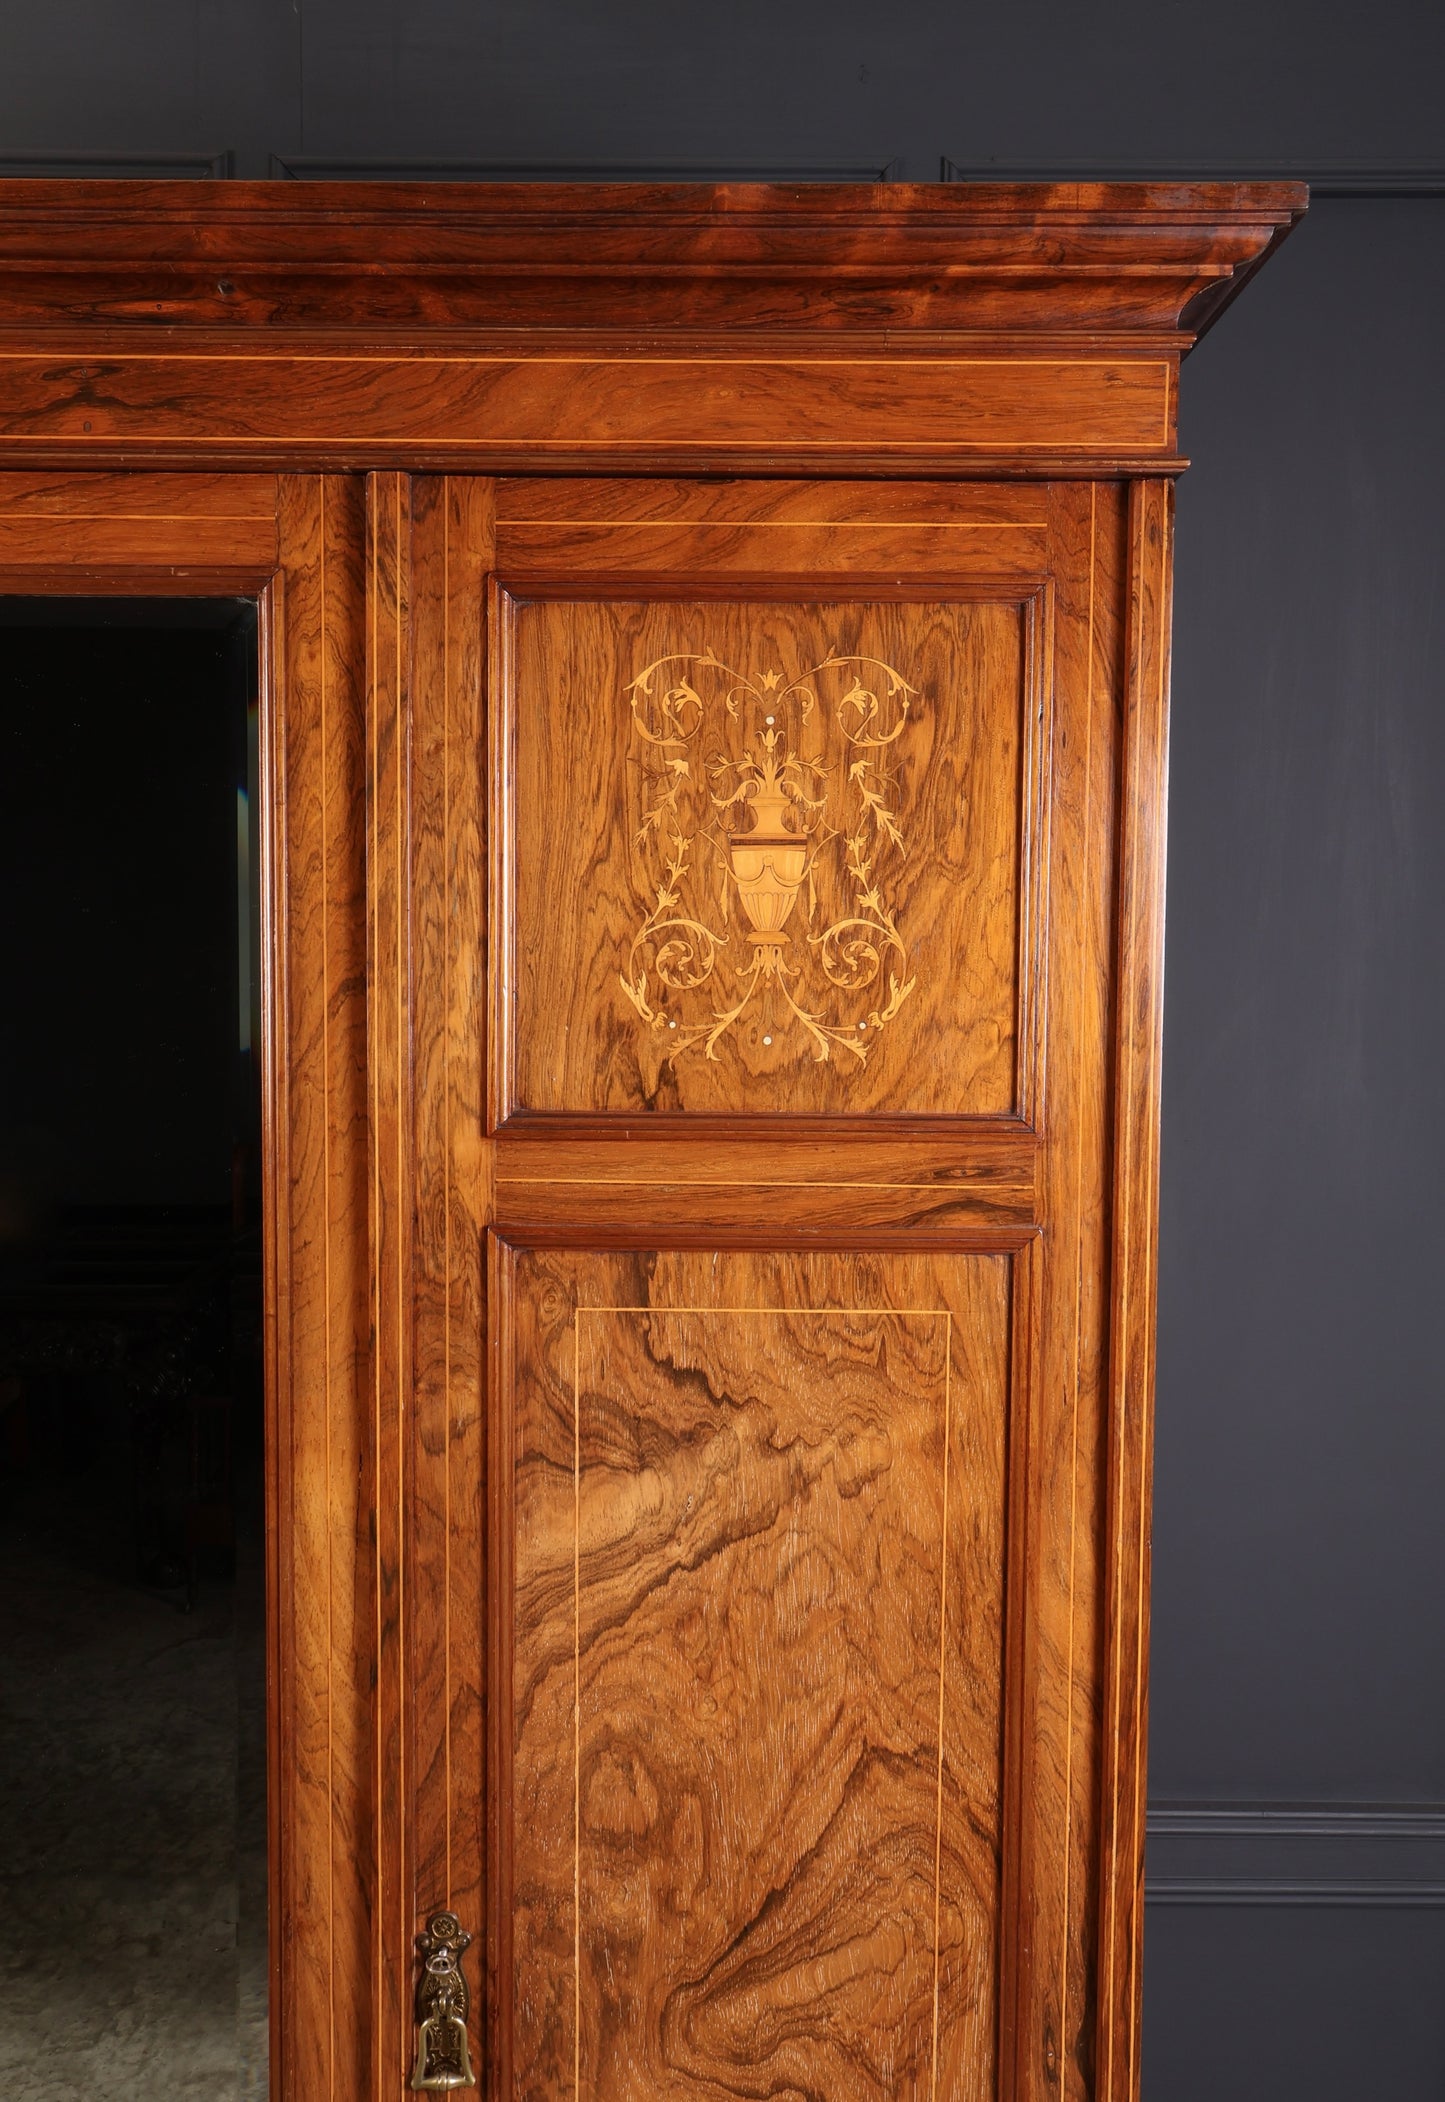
752, 82
1297, 1930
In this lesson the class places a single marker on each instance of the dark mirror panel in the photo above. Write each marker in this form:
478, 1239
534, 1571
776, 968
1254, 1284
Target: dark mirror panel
133, 1843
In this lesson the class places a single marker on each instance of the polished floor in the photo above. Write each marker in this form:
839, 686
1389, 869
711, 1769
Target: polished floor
132, 1811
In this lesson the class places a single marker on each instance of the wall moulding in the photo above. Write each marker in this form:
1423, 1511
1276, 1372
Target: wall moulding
1297, 1854
118, 167
1322, 177
318, 167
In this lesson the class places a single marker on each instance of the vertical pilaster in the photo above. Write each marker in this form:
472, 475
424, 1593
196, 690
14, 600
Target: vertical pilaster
451, 548
1138, 1039
390, 1214
320, 1485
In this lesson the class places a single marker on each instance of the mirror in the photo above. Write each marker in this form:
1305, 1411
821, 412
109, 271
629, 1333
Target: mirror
133, 1835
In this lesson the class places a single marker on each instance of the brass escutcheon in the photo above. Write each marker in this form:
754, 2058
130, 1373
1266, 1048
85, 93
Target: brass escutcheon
442, 2055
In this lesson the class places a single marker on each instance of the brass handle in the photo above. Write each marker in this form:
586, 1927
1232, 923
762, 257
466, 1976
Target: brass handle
442, 2056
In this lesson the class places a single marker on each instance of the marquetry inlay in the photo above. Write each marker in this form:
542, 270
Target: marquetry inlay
768, 855
768, 832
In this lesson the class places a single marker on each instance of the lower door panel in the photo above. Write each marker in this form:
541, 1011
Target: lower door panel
755, 1651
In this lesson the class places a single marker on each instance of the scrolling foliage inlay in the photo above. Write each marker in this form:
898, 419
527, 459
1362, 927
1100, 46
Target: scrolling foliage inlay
769, 825
686, 879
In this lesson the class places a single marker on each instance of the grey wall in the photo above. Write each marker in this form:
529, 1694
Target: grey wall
1297, 1871
740, 81
1299, 1556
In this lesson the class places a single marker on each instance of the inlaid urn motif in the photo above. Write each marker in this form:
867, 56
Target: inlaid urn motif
767, 827
770, 861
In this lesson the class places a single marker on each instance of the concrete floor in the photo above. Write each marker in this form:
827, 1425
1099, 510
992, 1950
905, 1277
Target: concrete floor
132, 1814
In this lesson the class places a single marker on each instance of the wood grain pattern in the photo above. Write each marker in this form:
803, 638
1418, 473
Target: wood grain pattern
556, 532
446, 1638
1092, 259
1052, 1766
154, 528
808, 1188
595, 1009
751, 511
321, 1483
780, 1716
1002, 331
491, 413
390, 1052
759, 1563
632, 1190
1138, 1046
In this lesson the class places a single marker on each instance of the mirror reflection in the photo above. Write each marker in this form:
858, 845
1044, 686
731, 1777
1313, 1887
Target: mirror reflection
133, 1855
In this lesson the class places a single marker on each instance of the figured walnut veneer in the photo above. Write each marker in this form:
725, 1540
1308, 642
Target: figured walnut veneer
715, 677
757, 1663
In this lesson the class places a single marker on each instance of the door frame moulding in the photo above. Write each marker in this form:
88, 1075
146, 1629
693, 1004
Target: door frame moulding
286, 543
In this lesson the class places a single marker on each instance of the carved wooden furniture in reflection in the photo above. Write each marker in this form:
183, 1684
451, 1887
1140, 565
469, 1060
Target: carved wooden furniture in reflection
716, 826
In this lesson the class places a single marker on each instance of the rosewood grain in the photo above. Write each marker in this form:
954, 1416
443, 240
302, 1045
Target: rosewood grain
813, 1189
496, 411
321, 1488
1036, 1190
1115, 259
446, 1641
294, 543
1139, 1032
152, 530
756, 1675
391, 1047
1013, 331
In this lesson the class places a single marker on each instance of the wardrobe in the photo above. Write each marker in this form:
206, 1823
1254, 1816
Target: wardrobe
713, 741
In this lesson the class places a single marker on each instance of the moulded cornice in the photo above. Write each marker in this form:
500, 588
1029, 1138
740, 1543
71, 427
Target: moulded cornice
1067, 259
850, 329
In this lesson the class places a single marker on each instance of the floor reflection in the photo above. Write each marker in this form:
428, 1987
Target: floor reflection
132, 1809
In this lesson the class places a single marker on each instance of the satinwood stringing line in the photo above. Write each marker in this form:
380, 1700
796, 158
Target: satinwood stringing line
774, 525
942, 1654
931, 1313
577, 1704
1078, 1333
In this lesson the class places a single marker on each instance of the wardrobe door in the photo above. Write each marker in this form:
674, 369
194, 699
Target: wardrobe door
751, 980
292, 545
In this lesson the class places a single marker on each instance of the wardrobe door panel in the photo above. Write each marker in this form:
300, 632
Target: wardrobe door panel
786, 1609
768, 823
755, 1662
864, 954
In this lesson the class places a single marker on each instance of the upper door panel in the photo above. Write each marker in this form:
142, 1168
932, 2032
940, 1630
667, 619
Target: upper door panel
767, 799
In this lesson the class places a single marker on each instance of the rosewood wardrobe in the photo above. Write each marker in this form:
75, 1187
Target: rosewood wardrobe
716, 668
